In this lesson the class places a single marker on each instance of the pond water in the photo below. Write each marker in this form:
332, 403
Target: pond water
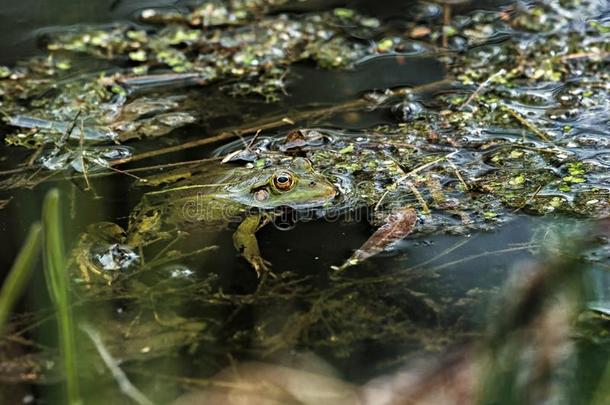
493, 125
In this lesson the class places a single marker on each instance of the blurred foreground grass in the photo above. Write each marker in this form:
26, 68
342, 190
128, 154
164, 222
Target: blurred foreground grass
542, 344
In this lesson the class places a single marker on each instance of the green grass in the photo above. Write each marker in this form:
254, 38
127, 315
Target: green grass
19, 274
57, 282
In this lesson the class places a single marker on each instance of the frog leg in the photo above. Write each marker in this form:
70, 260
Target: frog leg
244, 240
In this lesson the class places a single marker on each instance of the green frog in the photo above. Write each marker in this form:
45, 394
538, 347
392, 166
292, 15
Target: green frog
215, 194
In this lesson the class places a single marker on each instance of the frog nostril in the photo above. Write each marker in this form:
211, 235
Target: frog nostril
312, 184
261, 195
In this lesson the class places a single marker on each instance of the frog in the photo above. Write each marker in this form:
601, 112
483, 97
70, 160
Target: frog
221, 194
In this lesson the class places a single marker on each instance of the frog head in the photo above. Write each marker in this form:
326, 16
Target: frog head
294, 184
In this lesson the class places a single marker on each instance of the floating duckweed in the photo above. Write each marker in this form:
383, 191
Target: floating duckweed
348, 149
465, 156
576, 168
490, 215
385, 45
4, 72
517, 181
63, 64
343, 12
138, 56
574, 179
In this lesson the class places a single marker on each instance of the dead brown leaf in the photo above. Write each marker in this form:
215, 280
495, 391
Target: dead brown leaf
397, 226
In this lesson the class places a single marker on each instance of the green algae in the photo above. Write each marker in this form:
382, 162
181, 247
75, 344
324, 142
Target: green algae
516, 132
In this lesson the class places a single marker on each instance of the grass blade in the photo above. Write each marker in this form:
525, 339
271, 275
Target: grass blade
19, 275
57, 283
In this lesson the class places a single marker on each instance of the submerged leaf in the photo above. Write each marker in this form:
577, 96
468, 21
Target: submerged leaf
397, 226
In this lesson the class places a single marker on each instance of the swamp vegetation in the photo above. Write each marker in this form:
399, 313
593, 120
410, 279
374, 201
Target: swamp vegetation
323, 191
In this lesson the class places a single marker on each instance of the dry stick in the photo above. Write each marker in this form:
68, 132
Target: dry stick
66, 135
125, 172
4, 203
530, 198
459, 175
81, 145
419, 198
446, 23
481, 87
412, 172
129, 172
269, 123
16, 170
253, 139
187, 145
523, 121
584, 55
124, 384
34, 156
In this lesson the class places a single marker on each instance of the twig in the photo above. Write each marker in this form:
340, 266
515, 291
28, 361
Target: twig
523, 121
126, 173
66, 135
446, 23
276, 121
17, 170
81, 145
253, 139
530, 198
125, 385
585, 55
412, 172
34, 156
419, 198
458, 175
187, 145
481, 87
4, 203
129, 172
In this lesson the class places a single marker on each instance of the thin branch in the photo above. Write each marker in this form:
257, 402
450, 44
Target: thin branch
124, 384
481, 87
529, 199
81, 146
419, 198
585, 55
412, 172
523, 121
272, 122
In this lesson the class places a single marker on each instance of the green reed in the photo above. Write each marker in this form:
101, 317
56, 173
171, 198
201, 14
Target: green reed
57, 283
19, 274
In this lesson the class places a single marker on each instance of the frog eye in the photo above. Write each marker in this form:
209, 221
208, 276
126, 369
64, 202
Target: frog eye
261, 195
283, 181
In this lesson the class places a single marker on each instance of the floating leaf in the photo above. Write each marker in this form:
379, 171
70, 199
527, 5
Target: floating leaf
397, 226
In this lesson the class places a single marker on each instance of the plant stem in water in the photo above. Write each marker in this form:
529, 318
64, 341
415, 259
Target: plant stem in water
57, 283
19, 275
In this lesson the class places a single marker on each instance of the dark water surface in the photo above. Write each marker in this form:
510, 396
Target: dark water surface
24, 23
458, 266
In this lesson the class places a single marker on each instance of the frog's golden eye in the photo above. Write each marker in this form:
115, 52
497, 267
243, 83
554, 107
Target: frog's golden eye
283, 181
